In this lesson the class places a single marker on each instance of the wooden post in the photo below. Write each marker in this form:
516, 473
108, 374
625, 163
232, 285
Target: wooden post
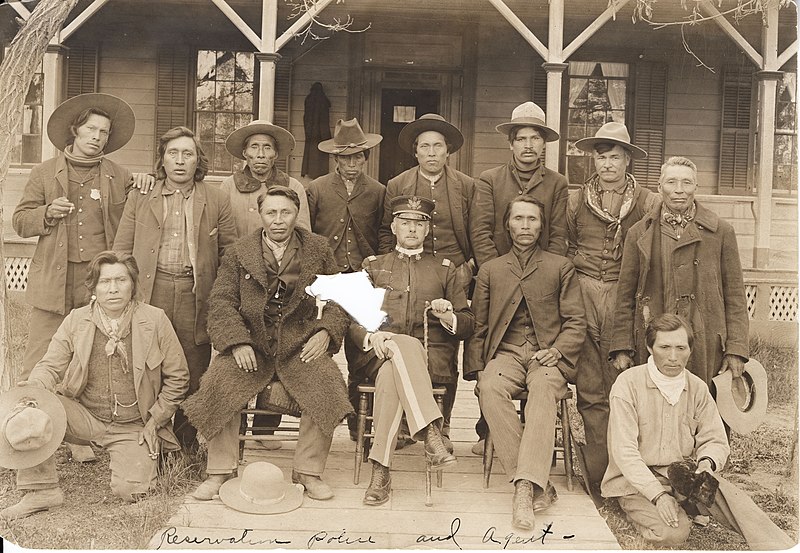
267, 58
53, 89
555, 68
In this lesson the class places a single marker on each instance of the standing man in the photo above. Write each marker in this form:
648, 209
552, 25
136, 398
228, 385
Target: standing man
259, 143
529, 329
178, 233
598, 218
682, 258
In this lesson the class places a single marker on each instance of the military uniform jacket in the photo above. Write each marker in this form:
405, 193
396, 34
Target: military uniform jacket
409, 283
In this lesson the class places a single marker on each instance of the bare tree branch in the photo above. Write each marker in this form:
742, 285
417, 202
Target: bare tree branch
311, 31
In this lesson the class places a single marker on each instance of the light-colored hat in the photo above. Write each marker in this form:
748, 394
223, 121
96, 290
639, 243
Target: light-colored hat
611, 133
348, 139
32, 424
742, 402
528, 115
430, 122
123, 121
238, 138
261, 490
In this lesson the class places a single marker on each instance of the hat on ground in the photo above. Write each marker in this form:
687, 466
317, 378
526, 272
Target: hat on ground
528, 115
261, 490
32, 424
348, 139
611, 133
430, 122
123, 121
412, 207
697, 487
742, 402
235, 143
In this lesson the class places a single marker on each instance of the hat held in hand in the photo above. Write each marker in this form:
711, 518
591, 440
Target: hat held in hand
742, 402
32, 424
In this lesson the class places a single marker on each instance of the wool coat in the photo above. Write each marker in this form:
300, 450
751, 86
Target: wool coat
160, 373
551, 291
214, 230
236, 317
707, 276
47, 276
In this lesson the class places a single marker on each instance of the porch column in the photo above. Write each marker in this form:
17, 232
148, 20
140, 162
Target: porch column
53, 89
267, 58
555, 73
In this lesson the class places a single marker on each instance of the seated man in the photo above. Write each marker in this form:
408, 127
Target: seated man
266, 327
121, 374
529, 329
413, 280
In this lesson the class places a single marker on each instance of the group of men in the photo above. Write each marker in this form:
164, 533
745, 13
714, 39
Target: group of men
567, 289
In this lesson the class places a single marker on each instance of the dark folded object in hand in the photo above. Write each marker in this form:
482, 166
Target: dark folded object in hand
696, 487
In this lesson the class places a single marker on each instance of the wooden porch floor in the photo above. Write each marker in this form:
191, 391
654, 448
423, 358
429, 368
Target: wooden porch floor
475, 517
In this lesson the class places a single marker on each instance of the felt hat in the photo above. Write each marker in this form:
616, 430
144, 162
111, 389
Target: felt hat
528, 115
611, 133
32, 424
348, 139
123, 121
412, 207
238, 138
742, 402
430, 122
261, 490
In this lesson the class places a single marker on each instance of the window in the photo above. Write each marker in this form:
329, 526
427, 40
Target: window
597, 95
785, 161
735, 138
223, 102
27, 147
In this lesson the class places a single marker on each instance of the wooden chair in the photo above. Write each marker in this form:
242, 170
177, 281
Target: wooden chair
564, 450
289, 432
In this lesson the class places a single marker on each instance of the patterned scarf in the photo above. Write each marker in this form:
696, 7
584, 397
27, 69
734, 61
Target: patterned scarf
277, 248
679, 219
116, 330
593, 196
82, 161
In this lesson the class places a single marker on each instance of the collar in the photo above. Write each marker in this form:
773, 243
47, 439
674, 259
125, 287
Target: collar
354, 181
618, 189
167, 190
434, 179
532, 170
407, 252
272, 244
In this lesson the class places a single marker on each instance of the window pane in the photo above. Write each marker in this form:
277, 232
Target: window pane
32, 120
206, 65
244, 66
224, 126
222, 159
32, 148
244, 97
243, 119
205, 96
785, 165
224, 96
205, 126
35, 90
225, 66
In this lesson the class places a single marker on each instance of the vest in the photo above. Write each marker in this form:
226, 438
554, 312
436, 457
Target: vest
86, 236
521, 330
110, 394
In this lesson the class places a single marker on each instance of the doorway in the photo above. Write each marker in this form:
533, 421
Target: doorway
400, 106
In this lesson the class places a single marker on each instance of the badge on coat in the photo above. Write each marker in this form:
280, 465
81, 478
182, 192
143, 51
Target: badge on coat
95, 194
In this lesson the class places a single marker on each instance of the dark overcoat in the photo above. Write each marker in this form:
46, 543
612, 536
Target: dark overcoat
236, 317
707, 274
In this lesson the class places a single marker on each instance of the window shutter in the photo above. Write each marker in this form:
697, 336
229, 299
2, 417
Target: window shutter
283, 93
649, 120
172, 90
734, 142
81, 70
539, 85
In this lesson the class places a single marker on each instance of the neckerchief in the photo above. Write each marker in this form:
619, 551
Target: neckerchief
669, 386
277, 248
592, 195
523, 254
245, 181
82, 161
116, 330
679, 219
415, 253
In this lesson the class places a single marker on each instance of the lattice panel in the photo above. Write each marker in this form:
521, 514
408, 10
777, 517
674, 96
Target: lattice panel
17, 273
750, 293
783, 303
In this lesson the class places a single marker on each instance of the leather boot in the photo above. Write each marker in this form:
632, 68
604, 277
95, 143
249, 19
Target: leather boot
33, 502
209, 489
380, 485
542, 499
315, 487
435, 449
523, 504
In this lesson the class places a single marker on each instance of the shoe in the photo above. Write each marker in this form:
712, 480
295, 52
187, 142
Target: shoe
435, 449
33, 502
404, 441
380, 485
523, 505
544, 499
209, 489
81, 453
353, 436
267, 445
448, 445
315, 487
477, 448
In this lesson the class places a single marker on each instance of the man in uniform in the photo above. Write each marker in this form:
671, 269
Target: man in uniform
415, 283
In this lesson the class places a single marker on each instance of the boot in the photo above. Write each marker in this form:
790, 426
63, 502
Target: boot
81, 453
209, 489
435, 449
315, 487
477, 447
523, 504
33, 502
542, 499
380, 486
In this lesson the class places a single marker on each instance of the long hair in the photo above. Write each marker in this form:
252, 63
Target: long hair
177, 132
523, 198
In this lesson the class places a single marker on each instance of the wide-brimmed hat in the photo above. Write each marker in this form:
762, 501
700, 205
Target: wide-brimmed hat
238, 138
742, 402
348, 139
528, 115
32, 424
123, 121
261, 490
611, 133
430, 122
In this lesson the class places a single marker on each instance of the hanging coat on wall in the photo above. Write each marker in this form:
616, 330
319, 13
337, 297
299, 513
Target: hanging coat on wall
316, 122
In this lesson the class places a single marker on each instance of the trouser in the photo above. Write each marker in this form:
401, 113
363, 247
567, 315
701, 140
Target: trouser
173, 294
596, 375
43, 324
310, 455
355, 377
402, 386
526, 452
132, 469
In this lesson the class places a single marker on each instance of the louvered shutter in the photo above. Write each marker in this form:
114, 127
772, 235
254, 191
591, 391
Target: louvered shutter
172, 90
734, 142
539, 91
81, 70
283, 93
649, 120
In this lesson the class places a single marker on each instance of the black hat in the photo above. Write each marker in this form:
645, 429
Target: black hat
412, 207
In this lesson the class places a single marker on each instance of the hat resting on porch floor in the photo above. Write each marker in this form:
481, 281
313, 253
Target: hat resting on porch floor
235, 143
742, 402
32, 424
261, 490
348, 139
528, 115
430, 122
123, 121
611, 133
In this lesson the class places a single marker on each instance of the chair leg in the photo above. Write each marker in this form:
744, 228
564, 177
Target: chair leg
428, 498
566, 437
488, 457
360, 430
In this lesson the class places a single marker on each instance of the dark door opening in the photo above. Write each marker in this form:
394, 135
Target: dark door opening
411, 103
